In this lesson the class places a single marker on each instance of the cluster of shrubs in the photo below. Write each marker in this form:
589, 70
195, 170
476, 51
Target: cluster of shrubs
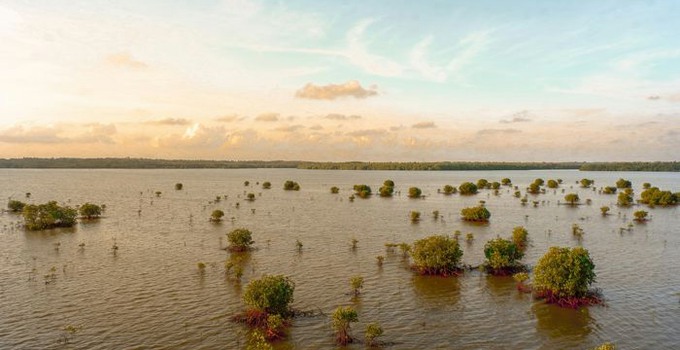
52, 215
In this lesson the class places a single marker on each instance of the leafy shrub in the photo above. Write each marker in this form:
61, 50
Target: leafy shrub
216, 215
478, 213
564, 273
48, 215
506, 181
240, 239
605, 210
502, 256
266, 185
520, 236
415, 216
15, 206
436, 255
373, 331
624, 199
609, 190
414, 192
363, 191
553, 184
90, 210
448, 190
572, 198
341, 320
179, 186
467, 188
585, 183
356, 282
271, 294
640, 215
291, 186
653, 197
482, 183
621, 183
335, 190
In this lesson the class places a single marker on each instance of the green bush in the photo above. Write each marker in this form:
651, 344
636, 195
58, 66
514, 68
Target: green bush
240, 239
414, 192
653, 197
15, 206
564, 273
373, 331
335, 190
502, 256
506, 181
415, 216
604, 210
640, 215
467, 188
609, 190
291, 186
179, 186
585, 183
271, 294
436, 255
266, 185
48, 215
216, 215
478, 213
572, 198
482, 183
90, 210
520, 236
621, 183
553, 184
624, 199
448, 190
363, 191
341, 320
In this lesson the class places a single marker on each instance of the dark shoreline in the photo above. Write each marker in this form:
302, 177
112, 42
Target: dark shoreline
148, 163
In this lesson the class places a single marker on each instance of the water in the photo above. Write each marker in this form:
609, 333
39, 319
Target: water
149, 294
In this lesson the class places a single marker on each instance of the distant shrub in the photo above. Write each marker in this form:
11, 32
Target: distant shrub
240, 239
363, 191
585, 183
621, 183
624, 199
467, 188
572, 198
478, 213
251, 196
604, 210
90, 210
640, 215
266, 185
291, 186
506, 182
609, 190
48, 215
335, 190
216, 215
415, 216
436, 255
15, 206
179, 186
482, 183
387, 189
414, 192
553, 184
653, 197
448, 190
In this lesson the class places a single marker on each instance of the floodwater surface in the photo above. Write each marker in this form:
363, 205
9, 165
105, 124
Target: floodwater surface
149, 293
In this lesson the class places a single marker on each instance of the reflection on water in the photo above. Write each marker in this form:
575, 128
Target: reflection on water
150, 294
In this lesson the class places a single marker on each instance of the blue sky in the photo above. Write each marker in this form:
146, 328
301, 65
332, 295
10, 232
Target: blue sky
370, 80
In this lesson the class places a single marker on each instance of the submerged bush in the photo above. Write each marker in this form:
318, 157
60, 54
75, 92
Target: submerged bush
373, 331
15, 206
640, 215
266, 185
552, 184
216, 215
621, 183
341, 320
291, 186
48, 215
271, 294
467, 188
605, 210
240, 240
624, 199
448, 190
415, 216
90, 210
609, 190
179, 186
478, 213
387, 188
414, 192
502, 256
572, 198
564, 276
653, 197
363, 191
436, 255
335, 190
520, 236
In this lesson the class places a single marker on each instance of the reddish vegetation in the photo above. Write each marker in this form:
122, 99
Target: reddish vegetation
592, 298
523, 287
258, 319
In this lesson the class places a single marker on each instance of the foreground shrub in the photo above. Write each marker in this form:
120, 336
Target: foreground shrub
271, 294
373, 331
436, 255
564, 276
48, 215
341, 320
240, 240
478, 213
502, 256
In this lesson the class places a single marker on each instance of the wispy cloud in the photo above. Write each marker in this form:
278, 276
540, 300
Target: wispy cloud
267, 117
125, 60
519, 117
170, 121
336, 116
351, 88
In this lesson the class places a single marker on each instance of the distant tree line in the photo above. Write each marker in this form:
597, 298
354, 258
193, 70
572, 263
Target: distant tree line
146, 163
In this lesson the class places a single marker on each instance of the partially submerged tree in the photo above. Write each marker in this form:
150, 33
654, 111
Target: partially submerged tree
341, 320
387, 188
640, 215
414, 192
15, 206
467, 188
572, 198
179, 186
604, 210
373, 331
448, 190
477, 214
520, 236
609, 190
415, 216
482, 183
240, 240
564, 276
266, 185
621, 183
356, 282
624, 199
216, 215
585, 183
290, 185
363, 191
335, 190
90, 211
436, 255
553, 184
502, 257
48, 215
268, 300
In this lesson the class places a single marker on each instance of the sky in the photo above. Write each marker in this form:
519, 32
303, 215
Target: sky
341, 80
